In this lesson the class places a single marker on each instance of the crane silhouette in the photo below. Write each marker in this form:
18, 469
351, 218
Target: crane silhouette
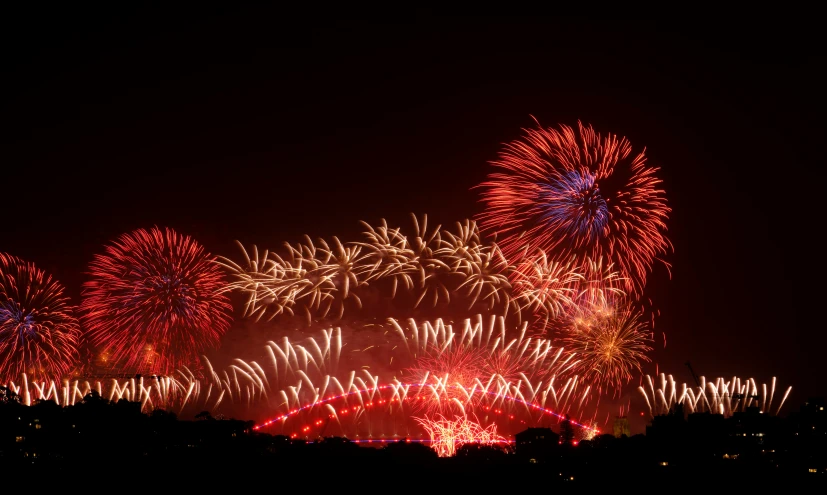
694, 376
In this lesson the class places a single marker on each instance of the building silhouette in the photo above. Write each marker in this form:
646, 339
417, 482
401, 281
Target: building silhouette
621, 427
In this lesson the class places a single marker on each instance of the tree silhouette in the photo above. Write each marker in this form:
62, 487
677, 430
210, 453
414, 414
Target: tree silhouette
205, 416
94, 398
410, 452
162, 415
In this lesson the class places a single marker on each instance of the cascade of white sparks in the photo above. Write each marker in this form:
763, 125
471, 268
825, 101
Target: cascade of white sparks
306, 374
721, 396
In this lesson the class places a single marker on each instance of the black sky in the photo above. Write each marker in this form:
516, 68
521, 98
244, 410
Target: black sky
264, 125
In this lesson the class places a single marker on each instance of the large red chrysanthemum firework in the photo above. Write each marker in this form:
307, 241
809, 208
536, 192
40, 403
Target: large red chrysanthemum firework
577, 195
39, 333
154, 301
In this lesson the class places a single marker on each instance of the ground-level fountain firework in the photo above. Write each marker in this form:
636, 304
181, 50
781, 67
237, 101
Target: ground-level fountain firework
431, 333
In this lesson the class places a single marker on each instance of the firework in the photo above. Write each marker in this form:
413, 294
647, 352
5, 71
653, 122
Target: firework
546, 287
448, 435
480, 354
455, 371
600, 285
312, 387
433, 267
720, 396
577, 194
344, 399
484, 267
152, 392
359, 403
431, 340
270, 284
39, 334
325, 276
153, 301
390, 256
610, 342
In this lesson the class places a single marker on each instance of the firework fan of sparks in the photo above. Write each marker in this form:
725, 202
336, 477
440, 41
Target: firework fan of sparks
610, 342
434, 266
153, 301
483, 266
601, 285
487, 345
326, 275
575, 193
39, 334
479, 364
390, 255
461, 364
551, 292
522, 380
457, 369
545, 287
720, 396
431, 269
448, 435
477, 357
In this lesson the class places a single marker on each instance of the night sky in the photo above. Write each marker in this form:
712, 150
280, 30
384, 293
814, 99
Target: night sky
265, 125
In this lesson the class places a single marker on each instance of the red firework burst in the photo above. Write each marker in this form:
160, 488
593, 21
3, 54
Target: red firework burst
154, 301
577, 194
39, 334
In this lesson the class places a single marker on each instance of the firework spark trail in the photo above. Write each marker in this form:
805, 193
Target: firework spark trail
154, 301
517, 377
555, 292
501, 351
432, 269
390, 256
39, 333
448, 435
160, 392
575, 193
720, 396
168, 391
436, 264
325, 275
786, 394
433, 265
545, 286
506, 401
441, 389
601, 285
483, 268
